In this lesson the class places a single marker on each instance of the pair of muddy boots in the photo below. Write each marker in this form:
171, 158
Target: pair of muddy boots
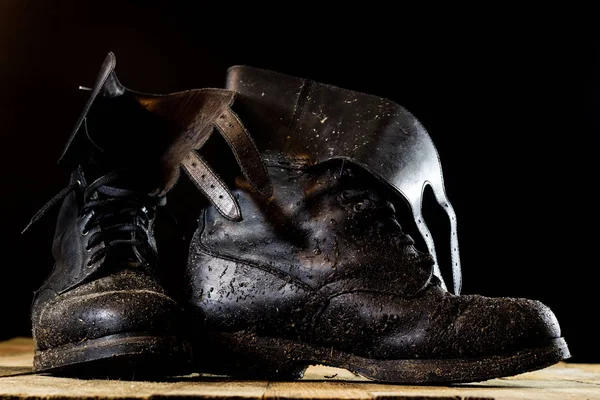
298, 258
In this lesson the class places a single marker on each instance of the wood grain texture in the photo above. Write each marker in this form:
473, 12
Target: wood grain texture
561, 381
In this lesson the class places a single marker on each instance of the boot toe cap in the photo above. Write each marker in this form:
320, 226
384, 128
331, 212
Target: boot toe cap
86, 314
490, 326
442, 326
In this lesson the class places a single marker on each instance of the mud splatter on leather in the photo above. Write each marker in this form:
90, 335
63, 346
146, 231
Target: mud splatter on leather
325, 260
295, 119
323, 272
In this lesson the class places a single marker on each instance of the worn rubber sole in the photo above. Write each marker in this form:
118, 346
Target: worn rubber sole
123, 355
248, 356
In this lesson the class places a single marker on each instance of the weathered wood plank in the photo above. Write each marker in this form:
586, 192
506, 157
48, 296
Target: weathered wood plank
562, 381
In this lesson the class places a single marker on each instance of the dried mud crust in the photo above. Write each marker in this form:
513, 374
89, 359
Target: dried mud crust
244, 355
123, 355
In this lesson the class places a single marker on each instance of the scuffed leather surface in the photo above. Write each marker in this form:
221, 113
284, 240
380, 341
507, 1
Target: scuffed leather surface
436, 325
127, 301
293, 119
315, 236
191, 116
245, 151
212, 186
308, 265
80, 301
230, 296
300, 117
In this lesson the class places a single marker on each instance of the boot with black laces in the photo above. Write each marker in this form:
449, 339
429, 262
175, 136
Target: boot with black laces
102, 311
323, 272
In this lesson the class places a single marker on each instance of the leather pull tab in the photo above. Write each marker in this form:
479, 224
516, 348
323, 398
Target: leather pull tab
211, 186
246, 153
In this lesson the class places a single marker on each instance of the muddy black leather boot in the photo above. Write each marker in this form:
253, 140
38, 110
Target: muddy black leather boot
103, 311
323, 272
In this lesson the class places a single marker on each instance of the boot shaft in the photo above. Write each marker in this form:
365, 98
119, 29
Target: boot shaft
298, 123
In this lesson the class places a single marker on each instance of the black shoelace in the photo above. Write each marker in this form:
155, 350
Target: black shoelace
123, 216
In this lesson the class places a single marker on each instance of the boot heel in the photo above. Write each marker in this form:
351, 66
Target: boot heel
245, 356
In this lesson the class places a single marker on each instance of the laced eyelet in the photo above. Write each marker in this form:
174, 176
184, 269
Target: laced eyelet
344, 198
358, 207
85, 215
85, 232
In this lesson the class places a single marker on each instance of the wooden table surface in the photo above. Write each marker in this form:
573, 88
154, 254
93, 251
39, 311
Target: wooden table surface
561, 381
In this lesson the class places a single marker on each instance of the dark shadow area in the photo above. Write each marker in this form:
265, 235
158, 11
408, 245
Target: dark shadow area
14, 371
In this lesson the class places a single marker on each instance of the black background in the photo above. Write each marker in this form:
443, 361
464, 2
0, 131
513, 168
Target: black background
508, 96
